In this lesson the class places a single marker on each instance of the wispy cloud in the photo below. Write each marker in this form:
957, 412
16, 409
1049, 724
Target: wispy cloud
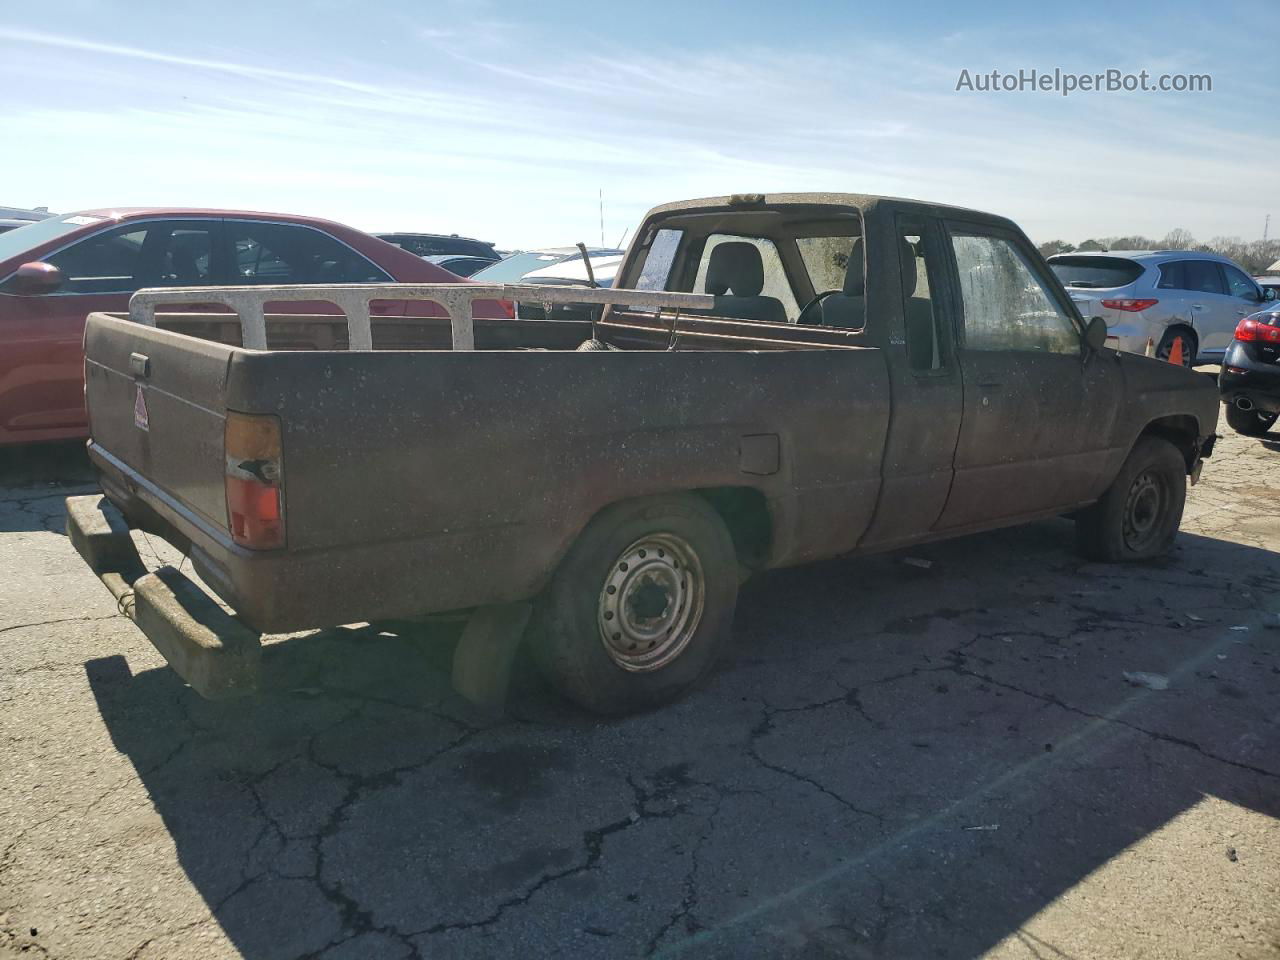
497, 132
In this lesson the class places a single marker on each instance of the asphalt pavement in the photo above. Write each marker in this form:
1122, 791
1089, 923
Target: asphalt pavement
979, 747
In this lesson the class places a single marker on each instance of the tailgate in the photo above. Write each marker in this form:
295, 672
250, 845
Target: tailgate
156, 402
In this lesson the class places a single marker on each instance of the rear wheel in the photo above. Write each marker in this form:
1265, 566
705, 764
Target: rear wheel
1252, 423
640, 607
1165, 350
1138, 517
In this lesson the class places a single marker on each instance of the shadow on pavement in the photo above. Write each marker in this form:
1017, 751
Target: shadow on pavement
894, 761
45, 465
33, 481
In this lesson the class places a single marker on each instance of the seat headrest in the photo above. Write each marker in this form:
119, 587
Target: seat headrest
907, 264
735, 267
855, 277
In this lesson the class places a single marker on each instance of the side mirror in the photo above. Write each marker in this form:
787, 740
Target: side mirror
1268, 293
35, 279
1095, 334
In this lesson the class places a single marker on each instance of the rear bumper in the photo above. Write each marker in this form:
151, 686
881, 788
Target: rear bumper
1245, 378
211, 650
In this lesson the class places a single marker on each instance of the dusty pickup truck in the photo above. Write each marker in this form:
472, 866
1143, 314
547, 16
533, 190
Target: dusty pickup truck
774, 380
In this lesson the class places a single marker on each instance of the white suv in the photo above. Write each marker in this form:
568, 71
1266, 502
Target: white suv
1159, 297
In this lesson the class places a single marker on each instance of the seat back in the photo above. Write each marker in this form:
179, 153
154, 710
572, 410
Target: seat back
735, 277
848, 309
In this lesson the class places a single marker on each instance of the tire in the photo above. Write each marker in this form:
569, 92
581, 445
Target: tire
593, 346
1189, 345
1251, 423
1138, 516
663, 571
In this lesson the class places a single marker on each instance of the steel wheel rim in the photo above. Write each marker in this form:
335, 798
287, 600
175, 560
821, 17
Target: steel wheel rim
651, 602
1143, 509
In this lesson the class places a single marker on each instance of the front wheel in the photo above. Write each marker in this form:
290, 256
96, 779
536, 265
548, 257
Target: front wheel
1138, 516
1251, 423
640, 607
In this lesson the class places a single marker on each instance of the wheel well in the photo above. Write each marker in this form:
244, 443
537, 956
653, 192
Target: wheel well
745, 511
1181, 328
1182, 431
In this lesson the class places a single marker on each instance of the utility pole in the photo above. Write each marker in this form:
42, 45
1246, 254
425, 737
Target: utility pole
1266, 227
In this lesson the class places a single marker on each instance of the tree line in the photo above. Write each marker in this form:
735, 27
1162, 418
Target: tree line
1256, 256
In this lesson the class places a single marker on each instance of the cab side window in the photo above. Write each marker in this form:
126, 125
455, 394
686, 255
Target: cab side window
1006, 305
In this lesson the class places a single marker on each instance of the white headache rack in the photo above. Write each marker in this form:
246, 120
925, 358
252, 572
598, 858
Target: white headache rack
354, 299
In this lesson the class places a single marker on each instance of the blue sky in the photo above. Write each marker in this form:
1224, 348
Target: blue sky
503, 120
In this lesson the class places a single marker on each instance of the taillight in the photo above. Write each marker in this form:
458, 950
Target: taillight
1255, 330
1129, 306
255, 511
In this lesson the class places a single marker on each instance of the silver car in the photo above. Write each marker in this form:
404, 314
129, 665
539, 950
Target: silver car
1150, 299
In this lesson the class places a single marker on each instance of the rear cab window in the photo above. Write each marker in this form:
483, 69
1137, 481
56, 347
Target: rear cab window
1095, 272
762, 265
775, 285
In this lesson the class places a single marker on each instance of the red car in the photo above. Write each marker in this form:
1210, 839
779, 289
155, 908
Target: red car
54, 272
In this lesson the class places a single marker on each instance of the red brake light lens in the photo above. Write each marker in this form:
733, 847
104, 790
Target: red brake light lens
1252, 330
255, 508
1129, 306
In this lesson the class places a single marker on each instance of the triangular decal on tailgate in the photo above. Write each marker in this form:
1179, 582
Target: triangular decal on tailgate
140, 419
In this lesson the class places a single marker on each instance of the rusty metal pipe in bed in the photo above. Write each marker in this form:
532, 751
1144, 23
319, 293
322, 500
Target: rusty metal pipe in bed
353, 299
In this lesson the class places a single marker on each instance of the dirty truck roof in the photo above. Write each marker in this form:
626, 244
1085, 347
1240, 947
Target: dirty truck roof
863, 201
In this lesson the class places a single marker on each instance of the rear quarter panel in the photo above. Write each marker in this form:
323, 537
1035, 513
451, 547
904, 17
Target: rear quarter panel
441, 480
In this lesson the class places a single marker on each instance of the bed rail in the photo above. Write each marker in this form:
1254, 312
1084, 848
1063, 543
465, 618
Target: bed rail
353, 299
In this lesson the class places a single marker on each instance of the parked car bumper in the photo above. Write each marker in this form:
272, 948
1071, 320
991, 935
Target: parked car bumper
1244, 379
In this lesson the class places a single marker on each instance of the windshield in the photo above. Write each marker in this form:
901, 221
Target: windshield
515, 267
38, 232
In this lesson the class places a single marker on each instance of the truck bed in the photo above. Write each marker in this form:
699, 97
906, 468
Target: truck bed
418, 479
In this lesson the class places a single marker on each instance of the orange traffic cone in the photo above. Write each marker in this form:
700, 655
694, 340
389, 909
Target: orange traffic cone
1175, 351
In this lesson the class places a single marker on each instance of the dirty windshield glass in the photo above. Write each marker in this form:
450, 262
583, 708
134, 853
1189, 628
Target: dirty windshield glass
826, 259
1006, 307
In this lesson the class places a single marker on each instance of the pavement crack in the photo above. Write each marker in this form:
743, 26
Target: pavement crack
763, 728
1112, 718
48, 623
592, 841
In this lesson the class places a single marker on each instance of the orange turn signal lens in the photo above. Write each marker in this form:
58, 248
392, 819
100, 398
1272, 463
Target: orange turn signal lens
255, 502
